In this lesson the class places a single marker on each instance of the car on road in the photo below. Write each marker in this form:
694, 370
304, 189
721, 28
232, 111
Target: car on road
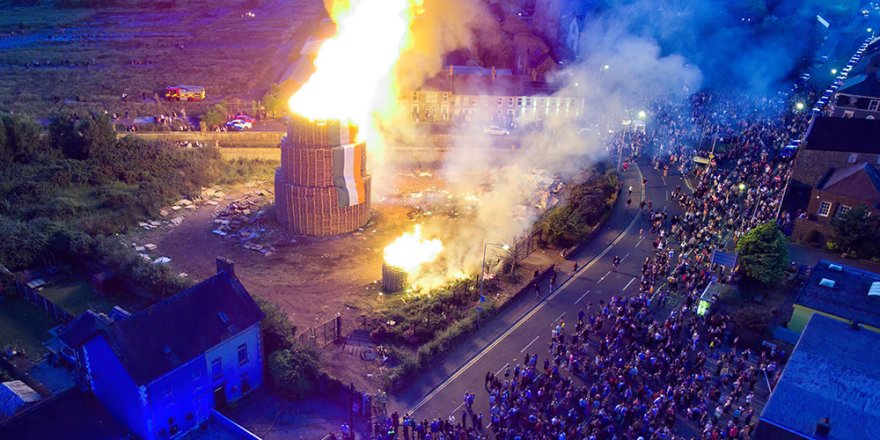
496, 131
239, 125
245, 118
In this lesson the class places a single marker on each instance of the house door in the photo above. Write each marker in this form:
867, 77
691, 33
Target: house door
220, 396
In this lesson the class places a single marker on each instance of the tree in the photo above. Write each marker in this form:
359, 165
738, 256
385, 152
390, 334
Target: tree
856, 232
763, 253
295, 371
215, 116
20, 137
79, 136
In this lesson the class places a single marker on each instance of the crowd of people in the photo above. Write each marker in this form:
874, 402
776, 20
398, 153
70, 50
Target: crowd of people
644, 367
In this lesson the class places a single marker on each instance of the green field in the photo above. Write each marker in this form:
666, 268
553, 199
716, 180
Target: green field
76, 296
86, 58
24, 326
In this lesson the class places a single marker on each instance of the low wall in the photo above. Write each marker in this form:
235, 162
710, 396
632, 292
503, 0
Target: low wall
221, 139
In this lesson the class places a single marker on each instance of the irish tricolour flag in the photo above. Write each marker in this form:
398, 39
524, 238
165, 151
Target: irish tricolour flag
347, 177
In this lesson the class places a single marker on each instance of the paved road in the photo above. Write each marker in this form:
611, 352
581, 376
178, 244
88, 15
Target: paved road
526, 326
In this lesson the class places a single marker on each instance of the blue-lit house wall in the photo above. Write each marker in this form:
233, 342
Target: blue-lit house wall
238, 374
181, 399
112, 384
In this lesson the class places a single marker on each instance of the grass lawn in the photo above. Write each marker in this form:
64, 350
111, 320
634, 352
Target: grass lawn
24, 326
76, 296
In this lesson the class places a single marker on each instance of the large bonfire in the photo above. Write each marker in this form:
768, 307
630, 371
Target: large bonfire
354, 81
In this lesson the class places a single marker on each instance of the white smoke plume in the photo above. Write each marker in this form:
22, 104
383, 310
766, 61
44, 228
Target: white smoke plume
637, 74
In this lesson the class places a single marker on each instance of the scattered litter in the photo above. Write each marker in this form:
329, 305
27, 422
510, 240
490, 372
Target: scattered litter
162, 260
150, 246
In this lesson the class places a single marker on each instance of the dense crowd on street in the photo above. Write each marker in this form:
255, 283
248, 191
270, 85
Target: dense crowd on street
644, 367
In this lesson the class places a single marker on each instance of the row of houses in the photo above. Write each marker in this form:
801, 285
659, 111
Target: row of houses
158, 373
829, 388
488, 95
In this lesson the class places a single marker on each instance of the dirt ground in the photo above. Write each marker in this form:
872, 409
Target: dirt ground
311, 279
86, 58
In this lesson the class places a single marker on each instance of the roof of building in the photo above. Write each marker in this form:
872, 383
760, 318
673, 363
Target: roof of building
848, 135
833, 373
15, 394
475, 80
75, 413
864, 84
174, 331
848, 298
78, 331
845, 181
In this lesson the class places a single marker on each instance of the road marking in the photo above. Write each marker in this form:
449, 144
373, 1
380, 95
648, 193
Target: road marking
456, 408
559, 318
639, 242
582, 297
627, 284
664, 179
530, 343
624, 257
522, 320
603, 277
502, 368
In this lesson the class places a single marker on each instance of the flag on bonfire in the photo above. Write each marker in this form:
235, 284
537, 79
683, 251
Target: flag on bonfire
347, 174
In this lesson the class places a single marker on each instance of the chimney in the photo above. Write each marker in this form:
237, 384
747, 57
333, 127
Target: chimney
494, 74
534, 74
225, 265
451, 71
823, 427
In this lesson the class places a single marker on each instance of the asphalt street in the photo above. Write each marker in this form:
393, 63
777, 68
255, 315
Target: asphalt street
525, 327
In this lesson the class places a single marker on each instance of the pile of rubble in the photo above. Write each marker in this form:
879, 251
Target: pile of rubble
244, 219
173, 215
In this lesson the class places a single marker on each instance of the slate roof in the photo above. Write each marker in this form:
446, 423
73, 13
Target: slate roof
848, 135
174, 331
848, 298
82, 328
832, 372
837, 180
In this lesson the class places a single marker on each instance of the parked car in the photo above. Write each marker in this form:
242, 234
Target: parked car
239, 125
496, 131
245, 118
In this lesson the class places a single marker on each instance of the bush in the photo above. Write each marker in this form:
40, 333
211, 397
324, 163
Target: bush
295, 371
763, 253
78, 136
585, 205
277, 330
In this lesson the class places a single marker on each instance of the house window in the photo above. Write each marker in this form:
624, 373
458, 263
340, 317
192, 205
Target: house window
842, 210
415, 96
432, 97
444, 113
852, 158
528, 102
415, 111
242, 354
510, 102
500, 101
216, 368
196, 375
445, 96
173, 429
519, 102
872, 106
824, 209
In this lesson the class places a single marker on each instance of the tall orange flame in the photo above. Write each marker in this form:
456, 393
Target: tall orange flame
353, 69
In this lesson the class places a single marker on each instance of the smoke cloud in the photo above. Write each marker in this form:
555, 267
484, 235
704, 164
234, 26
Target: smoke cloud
632, 54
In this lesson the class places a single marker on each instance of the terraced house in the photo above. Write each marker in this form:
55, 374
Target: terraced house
160, 372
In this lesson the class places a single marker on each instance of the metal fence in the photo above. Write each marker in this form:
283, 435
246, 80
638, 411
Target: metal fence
323, 334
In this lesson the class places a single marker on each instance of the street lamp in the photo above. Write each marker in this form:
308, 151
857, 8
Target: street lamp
505, 247
834, 71
642, 114
799, 106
